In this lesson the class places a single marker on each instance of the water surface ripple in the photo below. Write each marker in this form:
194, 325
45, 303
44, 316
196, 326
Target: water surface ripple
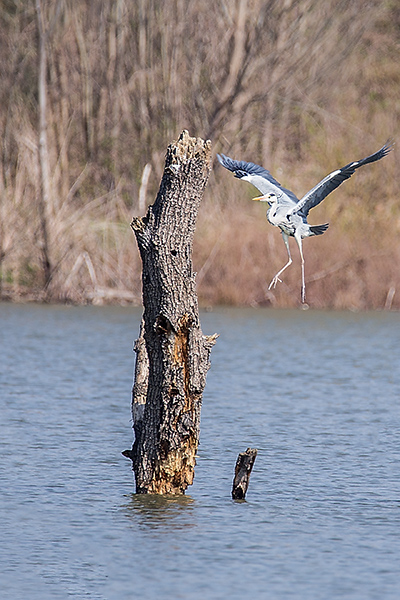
316, 392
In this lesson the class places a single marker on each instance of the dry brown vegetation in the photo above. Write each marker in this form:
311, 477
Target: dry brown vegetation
93, 92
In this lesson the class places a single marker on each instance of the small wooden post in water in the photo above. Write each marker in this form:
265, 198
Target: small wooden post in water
244, 465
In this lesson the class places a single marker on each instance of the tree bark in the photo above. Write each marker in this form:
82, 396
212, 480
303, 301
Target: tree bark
172, 354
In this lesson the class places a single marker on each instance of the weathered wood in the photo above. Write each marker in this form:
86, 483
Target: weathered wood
244, 465
172, 354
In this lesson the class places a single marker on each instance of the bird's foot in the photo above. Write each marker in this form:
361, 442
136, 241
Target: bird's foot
274, 282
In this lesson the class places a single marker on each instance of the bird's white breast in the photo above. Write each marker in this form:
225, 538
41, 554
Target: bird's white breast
277, 216
288, 223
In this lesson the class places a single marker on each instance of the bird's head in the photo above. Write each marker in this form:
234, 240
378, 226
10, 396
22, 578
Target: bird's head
270, 198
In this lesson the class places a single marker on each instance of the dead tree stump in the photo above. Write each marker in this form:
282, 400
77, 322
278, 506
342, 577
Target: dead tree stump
243, 468
172, 354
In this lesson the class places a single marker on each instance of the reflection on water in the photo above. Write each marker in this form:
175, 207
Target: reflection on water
316, 392
150, 510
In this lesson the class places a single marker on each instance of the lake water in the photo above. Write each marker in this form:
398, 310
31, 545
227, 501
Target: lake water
317, 393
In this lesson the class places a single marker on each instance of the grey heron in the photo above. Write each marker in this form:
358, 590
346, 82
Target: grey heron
285, 210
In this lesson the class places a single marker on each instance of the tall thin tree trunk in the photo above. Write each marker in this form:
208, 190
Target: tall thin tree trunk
172, 353
44, 169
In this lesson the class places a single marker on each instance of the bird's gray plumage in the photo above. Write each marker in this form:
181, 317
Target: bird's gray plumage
286, 211
258, 176
334, 179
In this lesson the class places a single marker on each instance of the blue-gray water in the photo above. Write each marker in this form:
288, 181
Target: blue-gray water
317, 393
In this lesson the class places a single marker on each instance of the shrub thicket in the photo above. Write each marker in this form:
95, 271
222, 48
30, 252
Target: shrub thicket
92, 93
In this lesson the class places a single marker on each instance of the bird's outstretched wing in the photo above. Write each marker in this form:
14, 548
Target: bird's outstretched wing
334, 179
256, 175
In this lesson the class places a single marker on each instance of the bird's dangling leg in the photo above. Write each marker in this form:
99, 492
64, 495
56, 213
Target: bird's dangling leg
275, 279
297, 237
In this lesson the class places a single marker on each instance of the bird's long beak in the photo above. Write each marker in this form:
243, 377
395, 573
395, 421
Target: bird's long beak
261, 198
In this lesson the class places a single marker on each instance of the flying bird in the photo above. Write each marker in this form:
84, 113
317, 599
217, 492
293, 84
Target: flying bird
285, 210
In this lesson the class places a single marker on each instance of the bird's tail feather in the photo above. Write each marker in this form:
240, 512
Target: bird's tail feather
319, 229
